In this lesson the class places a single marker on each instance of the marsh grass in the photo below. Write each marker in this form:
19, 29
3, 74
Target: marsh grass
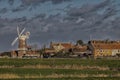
59, 69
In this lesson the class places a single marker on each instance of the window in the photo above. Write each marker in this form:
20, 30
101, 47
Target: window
101, 50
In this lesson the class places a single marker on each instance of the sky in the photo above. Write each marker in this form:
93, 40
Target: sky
58, 21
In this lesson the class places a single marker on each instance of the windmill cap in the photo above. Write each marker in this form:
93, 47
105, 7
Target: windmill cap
27, 33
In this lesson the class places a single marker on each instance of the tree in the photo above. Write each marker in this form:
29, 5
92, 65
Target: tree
79, 42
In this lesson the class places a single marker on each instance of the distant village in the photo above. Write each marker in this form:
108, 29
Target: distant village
92, 49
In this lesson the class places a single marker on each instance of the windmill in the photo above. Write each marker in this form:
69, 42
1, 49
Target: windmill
21, 38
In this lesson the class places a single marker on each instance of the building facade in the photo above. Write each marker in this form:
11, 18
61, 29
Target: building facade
61, 46
104, 48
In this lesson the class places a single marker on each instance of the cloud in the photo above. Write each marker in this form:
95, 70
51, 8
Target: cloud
79, 20
22, 19
97, 19
11, 2
88, 8
46, 28
28, 2
84, 18
90, 14
3, 10
19, 8
59, 1
40, 16
7, 30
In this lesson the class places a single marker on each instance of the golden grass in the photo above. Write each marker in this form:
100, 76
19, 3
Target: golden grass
100, 75
12, 76
6, 66
8, 76
77, 67
116, 75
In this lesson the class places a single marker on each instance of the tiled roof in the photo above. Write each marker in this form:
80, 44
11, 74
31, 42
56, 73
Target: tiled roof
106, 44
65, 45
80, 48
49, 50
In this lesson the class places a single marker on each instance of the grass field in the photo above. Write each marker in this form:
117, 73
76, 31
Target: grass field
59, 69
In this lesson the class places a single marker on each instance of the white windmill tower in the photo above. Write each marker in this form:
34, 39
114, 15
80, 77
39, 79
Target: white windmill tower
22, 44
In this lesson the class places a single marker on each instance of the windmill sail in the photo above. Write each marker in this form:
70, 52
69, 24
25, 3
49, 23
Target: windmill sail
14, 41
21, 32
19, 35
18, 30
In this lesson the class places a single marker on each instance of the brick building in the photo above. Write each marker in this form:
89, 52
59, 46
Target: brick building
101, 48
61, 46
80, 49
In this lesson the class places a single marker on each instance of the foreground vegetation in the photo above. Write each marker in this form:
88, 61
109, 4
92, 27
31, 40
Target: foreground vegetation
60, 69
69, 78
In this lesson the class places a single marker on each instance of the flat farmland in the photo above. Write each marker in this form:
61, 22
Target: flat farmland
59, 69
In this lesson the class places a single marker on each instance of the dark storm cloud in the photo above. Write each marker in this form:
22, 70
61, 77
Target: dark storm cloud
3, 10
58, 1
89, 20
110, 11
19, 8
93, 23
88, 8
23, 19
96, 21
40, 16
90, 14
11, 2
8, 26
7, 30
1, 25
28, 2
79, 22
74, 20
